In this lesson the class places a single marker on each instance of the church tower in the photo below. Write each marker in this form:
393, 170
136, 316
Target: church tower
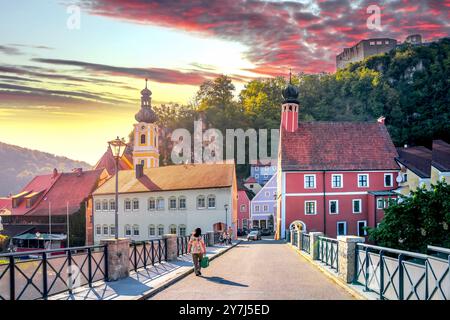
145, 149
289, 108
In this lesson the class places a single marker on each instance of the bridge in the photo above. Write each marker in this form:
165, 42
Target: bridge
305, 267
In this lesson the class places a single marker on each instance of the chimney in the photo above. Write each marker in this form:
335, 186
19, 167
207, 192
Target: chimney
55, 173
381, 119
139, 171
78, 171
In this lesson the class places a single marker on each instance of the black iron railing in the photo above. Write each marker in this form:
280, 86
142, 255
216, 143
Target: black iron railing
403, 275
328, 252
182, 245
206, 238
295, 238
146, 253
304, 242
38, 274
216, 237
288, 235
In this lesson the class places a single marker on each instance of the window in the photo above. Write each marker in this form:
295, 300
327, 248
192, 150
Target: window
151, 204
256, 176
173, 229
310, 207
182, 203
256, 208
256, 168
386, 42
127, 231
341, 228
405, 177
265, 208
372, 43
98, 229
356, 205
172, 203
98, 205
182, 230
362, 228
267, 193
160, 204
334, 206
160, 230
105, 230
379, 42
211, 201
143, 162
112, 205
336, 181
201, 202
380, 203
135, 204
266, 176
127, 204
244, 223
243, 207
151, 230
388, 180
105, 205
363, 180
310, 181
135, 230
112, 230
142, 138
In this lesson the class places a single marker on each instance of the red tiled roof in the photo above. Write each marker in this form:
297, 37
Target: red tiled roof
441, 155
250, 180
71, 189
416, 159
338, 146
108, 162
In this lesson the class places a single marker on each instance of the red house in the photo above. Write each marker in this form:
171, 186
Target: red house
333, 177
243, 215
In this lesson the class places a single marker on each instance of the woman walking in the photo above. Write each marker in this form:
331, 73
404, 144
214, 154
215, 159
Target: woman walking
197, 248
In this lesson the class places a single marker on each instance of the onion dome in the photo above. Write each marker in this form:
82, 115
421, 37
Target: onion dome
291, 92
146, 114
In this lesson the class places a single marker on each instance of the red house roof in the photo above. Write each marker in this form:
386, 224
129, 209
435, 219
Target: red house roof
250, 180
108, 162
338, 146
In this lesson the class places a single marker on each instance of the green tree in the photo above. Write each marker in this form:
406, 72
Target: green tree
416, 221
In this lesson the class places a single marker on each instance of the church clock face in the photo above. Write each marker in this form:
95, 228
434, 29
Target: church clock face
143, 128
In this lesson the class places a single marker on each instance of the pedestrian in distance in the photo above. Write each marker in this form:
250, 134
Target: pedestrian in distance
197, 248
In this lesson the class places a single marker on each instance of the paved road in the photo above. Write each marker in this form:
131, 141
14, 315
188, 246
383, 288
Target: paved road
264, 269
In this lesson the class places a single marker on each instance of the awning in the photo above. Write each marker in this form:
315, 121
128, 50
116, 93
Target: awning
42, 236
12, 231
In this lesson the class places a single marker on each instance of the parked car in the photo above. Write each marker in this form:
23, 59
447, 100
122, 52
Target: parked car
266, 232
254, 235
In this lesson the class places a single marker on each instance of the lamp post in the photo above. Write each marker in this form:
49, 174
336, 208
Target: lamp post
117, 148
226, 215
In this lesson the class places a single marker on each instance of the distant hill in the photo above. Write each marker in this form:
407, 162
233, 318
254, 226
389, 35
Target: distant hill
19, 165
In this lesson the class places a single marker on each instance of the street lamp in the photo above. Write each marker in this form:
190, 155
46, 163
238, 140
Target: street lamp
226, 215
117, 147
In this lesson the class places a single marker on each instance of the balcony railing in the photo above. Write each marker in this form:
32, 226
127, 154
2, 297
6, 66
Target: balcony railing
41, 273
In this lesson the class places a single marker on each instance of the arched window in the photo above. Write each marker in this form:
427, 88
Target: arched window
201, 202
127, 204
112, 205
142, 138
182, 202
105, 230
112, 230
181, 230
98, 229
127, 230
98, 205
172, 203
135, 204
151, 204
211, 201
160, 230
151, 230
105, 205
160, 204
173, 229
135, 230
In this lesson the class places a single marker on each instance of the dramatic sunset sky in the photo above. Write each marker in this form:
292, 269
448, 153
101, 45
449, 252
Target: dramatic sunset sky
67, 91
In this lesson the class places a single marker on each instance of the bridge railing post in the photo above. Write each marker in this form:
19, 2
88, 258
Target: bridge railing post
299, 240
292, 237
347, 257
314, 244
171, 246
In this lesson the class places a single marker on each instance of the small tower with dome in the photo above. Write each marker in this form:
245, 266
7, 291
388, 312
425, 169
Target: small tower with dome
146, 148
289, 108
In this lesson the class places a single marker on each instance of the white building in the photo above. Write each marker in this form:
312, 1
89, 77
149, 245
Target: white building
172, 199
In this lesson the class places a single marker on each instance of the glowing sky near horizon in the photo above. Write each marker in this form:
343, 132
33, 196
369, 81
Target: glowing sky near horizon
69, 91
